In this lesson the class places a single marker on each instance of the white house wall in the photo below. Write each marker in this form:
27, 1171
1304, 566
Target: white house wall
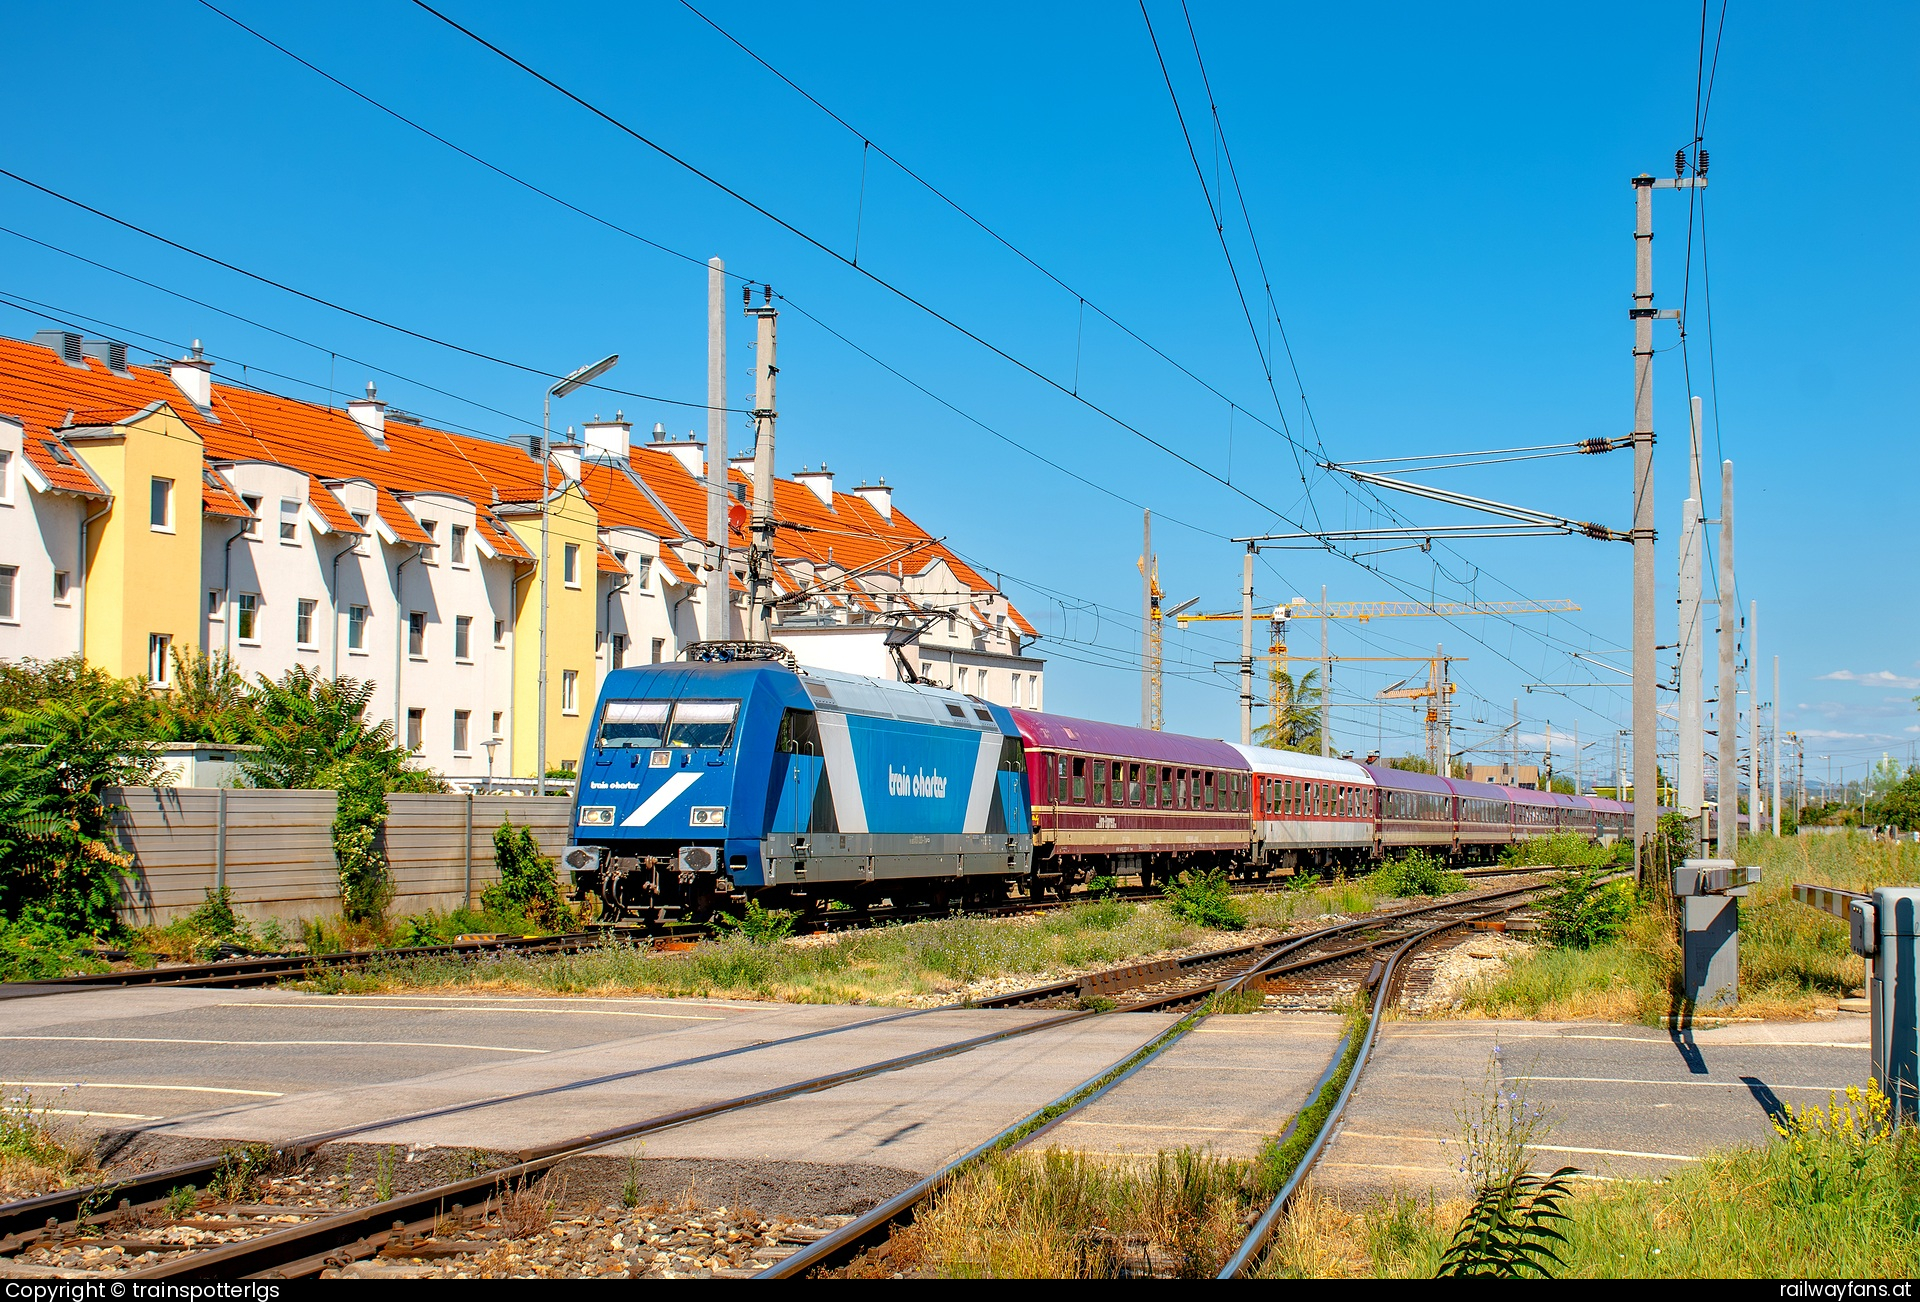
39, 536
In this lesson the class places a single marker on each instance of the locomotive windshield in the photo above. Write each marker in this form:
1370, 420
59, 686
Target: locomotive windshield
702, 723
632, 724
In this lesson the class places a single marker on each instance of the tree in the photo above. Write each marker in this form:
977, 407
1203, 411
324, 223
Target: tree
1411, 764
209, 702
313, 734
1295, 725
59, 863
1900, 807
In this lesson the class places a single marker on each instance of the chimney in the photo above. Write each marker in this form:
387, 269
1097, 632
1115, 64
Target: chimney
112, 354
691, 453
878, 496
609, 438
64, 342
194, 376
369, 413
820, 481
566, 457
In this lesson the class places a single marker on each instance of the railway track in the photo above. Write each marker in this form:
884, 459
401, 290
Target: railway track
1351, 946
264, 970
330, 1237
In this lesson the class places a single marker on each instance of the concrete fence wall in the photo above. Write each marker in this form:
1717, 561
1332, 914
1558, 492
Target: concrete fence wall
274, 849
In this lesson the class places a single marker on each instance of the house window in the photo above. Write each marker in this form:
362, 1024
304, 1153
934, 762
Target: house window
643, 570
569, 692
416, 633
159, 653
9, 574
460, 720
252, 527
356, 628
303, 621
6, 476
62, 583
462, 637
215, 606
659, 647
619, 650
432, 529
160, 504
497, 715
499, 632
457, 541
416, 724
289, 520
570, 565
249, 615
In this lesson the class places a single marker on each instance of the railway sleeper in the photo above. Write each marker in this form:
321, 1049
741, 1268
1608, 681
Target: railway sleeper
1132, 977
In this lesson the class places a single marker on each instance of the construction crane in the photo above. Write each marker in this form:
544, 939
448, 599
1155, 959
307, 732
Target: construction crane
1438, 693
1152, 706
1301, 608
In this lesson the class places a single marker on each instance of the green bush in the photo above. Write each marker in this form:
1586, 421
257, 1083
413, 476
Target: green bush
1205, 900
527, 885
32, 949
1584, 913
1416, 873
759, 924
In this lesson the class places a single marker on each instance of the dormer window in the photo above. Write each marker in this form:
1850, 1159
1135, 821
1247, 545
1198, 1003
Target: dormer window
457, 541
289, 520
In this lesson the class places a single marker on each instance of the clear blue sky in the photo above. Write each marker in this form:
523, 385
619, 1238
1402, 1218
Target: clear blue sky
1440, 196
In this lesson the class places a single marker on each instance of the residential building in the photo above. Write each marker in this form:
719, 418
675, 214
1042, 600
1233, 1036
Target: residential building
149, 512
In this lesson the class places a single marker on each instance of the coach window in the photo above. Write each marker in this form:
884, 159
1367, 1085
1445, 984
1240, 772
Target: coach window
1166, 788
1063, 782
1100, 782
1153, 786
1079, 782
1133, 785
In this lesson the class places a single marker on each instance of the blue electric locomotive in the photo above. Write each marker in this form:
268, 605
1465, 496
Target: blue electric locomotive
706, 781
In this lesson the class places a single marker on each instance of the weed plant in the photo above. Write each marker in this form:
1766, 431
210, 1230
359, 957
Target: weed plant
35, 1157
1415, 873
1206, 900
758, 923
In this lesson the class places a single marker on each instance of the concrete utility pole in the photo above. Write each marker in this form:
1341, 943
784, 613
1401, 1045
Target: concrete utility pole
1726, 713
1147, 665
1576, 757
760, 559
1326, 677
1246, 649
718, 599
1776, 746
1646, 666
1754, 804
1516, 740
1692, 759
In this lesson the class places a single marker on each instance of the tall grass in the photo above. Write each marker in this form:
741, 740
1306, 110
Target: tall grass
1057, 1214
894, 964
1838, 1198
35, 1156
1793, 959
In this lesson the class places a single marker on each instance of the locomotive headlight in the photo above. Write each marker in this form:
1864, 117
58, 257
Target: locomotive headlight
709, 816
596, 815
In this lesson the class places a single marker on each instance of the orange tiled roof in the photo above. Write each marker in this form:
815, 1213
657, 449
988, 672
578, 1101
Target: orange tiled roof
653, 492
218, 496
605, 562
330, 508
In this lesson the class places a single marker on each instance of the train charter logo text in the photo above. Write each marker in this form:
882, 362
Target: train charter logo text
917, 783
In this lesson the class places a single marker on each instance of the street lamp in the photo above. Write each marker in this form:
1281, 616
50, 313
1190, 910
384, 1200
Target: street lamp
585, 375
491, 744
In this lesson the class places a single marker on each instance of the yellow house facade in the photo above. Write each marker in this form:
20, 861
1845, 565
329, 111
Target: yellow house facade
142, 576
572, 597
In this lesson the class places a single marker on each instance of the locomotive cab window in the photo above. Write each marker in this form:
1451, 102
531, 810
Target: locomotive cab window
799, 734
633, 724
703, 724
